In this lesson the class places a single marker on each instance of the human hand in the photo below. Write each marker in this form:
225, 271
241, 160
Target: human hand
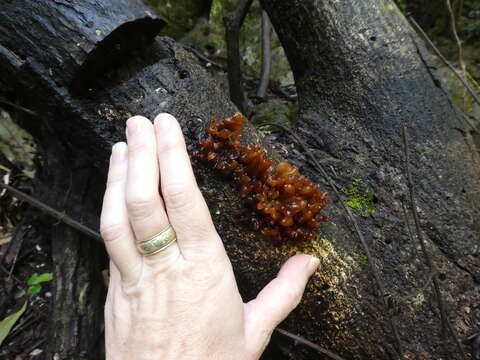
182, 302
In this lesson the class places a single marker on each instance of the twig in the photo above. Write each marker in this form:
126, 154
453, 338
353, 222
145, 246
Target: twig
449, 65
18, 107
35, 345
407, 222
351, 218
308, 343
6, 272
61, 216
203, 57
233, 22
266, 55
459, 44
432, 268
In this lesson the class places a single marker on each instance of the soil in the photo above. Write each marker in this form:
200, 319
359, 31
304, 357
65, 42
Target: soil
24, 251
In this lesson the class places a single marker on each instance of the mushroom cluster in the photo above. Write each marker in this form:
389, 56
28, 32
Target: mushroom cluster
285, 205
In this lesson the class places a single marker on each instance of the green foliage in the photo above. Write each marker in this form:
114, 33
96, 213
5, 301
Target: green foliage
180, 15
7, 324
34, 287
212, 33
402, 4
358, 200
469, 22
35, 280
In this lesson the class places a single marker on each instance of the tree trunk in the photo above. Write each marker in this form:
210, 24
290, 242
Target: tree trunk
359, 77
361, 73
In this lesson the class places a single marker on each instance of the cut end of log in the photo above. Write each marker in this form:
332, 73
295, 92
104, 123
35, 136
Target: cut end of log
115, 49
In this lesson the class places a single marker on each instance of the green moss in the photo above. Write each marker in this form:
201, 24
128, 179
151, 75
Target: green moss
460, 96
389, 7
336, 211
362, 259
359, 198
359, 158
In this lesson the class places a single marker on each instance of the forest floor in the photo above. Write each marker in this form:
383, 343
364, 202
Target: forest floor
24, 252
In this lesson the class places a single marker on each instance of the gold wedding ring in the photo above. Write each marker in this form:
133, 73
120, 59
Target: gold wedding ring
157, 242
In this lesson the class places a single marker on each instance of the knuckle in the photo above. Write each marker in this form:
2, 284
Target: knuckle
292, 291
140, 207
177, 196
140, 147
112, 232
170, 143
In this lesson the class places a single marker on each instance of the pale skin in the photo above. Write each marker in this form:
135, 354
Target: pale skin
183, 302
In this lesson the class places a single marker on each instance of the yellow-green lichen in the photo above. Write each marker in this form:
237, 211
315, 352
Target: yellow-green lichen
333, 272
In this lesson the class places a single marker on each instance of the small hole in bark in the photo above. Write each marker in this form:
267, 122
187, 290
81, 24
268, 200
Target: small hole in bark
442, 277
184, 74
476, 278
388, 241
373, 38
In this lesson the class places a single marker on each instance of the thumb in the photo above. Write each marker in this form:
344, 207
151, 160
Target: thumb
277, 300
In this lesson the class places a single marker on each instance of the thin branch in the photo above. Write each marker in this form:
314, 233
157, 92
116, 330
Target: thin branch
445, 61
233, 22
61, 216
266, 55
459, 45
203, 57
349, 216
18, 107
310, 344
431, 265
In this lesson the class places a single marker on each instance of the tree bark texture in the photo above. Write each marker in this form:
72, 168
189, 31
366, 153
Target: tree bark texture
360, 74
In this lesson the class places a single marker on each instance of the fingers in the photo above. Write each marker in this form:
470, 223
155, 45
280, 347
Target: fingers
185, 205
278, 298
144, 206
114, 224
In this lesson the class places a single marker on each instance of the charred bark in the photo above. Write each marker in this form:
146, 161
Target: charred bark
360, 74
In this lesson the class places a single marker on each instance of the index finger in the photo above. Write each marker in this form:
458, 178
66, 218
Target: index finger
187, 211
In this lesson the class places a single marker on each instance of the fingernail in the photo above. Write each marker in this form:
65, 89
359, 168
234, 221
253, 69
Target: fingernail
119, 151
133, 127
163, 122
313, 264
